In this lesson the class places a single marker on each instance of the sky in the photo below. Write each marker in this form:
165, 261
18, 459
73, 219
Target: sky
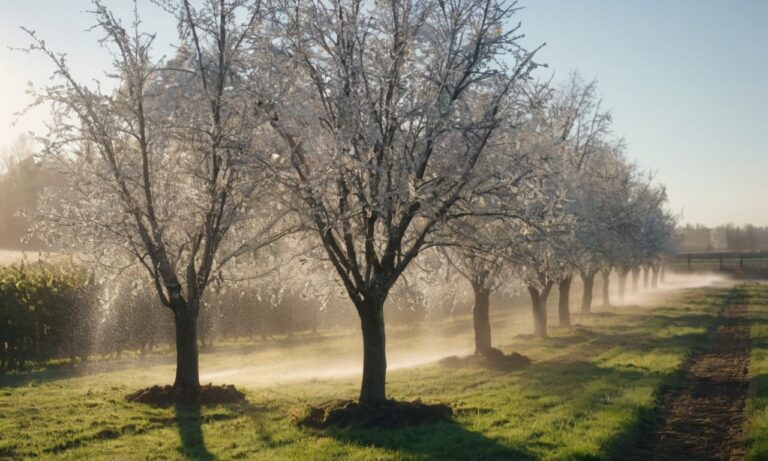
685, 80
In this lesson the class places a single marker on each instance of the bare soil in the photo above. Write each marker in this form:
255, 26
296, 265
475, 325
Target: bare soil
703, 418
163, 396
389, 414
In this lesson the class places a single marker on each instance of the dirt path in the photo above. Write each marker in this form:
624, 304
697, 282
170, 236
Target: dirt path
703, 417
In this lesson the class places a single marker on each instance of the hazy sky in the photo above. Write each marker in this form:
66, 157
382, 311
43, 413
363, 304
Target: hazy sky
687, 83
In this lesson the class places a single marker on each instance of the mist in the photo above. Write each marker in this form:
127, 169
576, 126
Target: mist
342, 354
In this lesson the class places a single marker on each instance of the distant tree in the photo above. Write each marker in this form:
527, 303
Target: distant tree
483, 267
580, 128
22, 181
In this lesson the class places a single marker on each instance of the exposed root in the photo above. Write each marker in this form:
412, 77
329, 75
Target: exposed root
388, 414
163, 396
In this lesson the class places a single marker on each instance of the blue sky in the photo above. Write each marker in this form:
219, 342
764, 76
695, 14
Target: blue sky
686, 81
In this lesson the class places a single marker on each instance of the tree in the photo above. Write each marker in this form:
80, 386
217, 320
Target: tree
22, 180
483, 269
654, 226
397, 102
582, 127
160, 167
541, 254
604, 209
484, 244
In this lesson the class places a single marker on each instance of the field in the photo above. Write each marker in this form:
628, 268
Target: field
592, 392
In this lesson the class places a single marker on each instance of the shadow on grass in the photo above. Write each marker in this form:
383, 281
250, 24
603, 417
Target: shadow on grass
190, 423
446, 440
638, 439
587, 385
632, 334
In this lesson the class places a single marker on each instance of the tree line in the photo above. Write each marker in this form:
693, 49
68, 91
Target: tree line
370, 150
693, 238
21, 181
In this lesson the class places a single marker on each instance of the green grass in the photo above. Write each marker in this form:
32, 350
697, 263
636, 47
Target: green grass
582, 398
757, 403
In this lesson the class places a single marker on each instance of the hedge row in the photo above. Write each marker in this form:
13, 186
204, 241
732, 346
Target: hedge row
46, 310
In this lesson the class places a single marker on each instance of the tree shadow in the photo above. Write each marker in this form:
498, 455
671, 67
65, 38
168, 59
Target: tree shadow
586, 342
447, 440
190, 423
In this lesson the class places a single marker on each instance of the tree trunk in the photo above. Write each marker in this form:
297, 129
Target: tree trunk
539, 305
373, 389
635, 279
481, 320
543, 308
662, 273
564, 305
289, 320
655, 276
606, 287
646, 269
622, 283
263, 327
586, 297
187, 370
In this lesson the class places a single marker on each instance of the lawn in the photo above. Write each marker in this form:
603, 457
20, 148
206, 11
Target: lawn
584, 396
757, 404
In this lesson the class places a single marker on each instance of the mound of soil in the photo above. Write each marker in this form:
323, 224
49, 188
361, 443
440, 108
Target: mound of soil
389, 414
493, 359
579, 330
526, 336
163, 396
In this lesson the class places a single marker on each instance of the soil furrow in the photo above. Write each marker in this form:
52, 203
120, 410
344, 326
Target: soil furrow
702, 418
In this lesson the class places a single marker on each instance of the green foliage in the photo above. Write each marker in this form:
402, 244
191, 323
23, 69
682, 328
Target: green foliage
47, 311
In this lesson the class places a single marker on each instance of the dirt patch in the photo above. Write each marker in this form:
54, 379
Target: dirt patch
703, 416
163, 396
389, 414
494, 360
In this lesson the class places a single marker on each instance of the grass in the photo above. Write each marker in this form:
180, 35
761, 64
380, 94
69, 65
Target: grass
757, 403
582, 398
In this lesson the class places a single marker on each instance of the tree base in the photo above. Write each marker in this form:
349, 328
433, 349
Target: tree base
389, 414
494, 359
163, 396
